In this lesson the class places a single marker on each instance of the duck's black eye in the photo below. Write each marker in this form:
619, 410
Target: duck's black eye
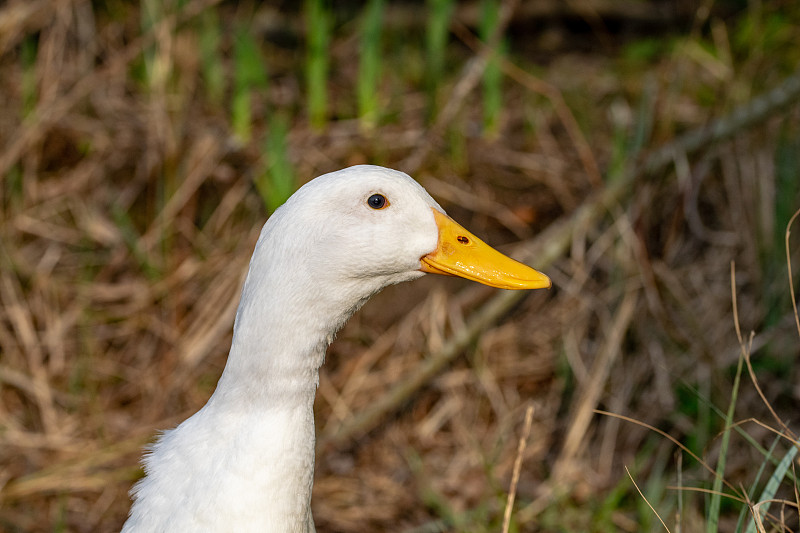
377, 201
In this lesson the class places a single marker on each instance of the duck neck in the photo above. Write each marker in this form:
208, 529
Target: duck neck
274, 359
265, 397
283, 327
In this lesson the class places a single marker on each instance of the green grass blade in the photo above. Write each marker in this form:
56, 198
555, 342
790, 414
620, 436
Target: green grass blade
751, 493
276, 182
28, 54
152, 13
630, 136
773, 484
148, 15
645, 118
787, 185
492, 76
787, 177
450, 518
249, 75
318, 24
132, 239
369, 66
738, 428
655, 485
712, 524
440, 12
620, 157
211, 61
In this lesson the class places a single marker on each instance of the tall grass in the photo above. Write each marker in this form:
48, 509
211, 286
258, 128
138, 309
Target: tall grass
712, 522
318, 30
28, 52
132, 239
210, 56
369, 65
787, 187
249, 76
151, 13
440, 12
276, 182
769, 494
631, 133
493, 75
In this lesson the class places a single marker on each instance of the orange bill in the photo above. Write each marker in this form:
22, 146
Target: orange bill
460, 253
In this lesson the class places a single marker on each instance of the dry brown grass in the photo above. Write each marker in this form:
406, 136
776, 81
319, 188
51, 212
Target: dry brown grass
128, 215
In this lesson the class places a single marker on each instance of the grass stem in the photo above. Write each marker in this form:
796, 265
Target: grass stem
369, 66
318, 30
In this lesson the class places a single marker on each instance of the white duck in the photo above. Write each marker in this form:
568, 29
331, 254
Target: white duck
245, 461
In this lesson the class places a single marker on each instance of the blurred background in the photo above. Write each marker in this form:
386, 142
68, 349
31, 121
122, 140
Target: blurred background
640, 152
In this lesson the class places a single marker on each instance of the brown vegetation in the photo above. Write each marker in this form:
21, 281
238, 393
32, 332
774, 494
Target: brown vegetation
128, 215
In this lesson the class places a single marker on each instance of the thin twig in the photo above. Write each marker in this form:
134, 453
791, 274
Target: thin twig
735, 305
646, 500
704, 490
794, 486
512, 491
746, 349
789, 268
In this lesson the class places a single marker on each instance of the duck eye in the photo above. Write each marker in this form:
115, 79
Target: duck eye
377, 201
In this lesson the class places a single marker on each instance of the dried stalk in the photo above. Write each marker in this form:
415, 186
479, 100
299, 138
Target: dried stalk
512, 491
36, 126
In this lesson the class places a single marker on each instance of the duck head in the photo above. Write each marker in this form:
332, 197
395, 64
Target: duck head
372, 226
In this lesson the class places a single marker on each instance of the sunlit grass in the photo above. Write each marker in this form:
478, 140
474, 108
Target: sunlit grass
369, 64
276, 181
210, 35
318, 29
437, 33
151, 13
492, 76
249, 76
